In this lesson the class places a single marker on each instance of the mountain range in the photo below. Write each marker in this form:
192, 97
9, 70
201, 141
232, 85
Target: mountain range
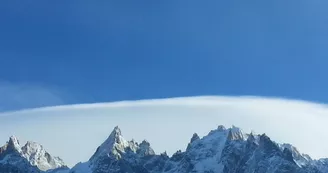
223, 150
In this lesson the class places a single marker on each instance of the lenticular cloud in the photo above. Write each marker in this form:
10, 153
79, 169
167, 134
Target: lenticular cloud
168, 124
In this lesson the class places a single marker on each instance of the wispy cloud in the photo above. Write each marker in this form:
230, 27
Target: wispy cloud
22, 96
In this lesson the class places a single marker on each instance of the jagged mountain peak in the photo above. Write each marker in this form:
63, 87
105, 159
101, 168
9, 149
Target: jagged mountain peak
116, 150
115, 137
31, 153
221, 128
116, 146
194, 137
13, 143
32, 147
144, 143
116, 131
144, 149
296, 153
223, 150
232, 133
38, 156
236, 133
300, 158
13, 140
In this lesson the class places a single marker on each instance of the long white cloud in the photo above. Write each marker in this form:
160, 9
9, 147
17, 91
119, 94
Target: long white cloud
74, 132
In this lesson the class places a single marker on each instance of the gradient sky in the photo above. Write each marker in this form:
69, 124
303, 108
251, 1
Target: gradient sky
63, 52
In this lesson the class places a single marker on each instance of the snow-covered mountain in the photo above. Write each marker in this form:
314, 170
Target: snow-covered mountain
30, 158
223, 150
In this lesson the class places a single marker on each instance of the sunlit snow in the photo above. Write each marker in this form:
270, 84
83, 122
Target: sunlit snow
74, 132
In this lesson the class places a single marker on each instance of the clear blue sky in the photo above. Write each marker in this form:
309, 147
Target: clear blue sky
98, 51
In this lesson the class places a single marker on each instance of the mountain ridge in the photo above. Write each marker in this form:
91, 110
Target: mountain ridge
32, 156
223, 150
212, 153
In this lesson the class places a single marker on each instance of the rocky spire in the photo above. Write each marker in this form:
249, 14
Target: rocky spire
145, 149
116, 131
116, 135
115, 138
235, 133
38, 156
194, 137
13, 144
221, 128
113, 145
31, 153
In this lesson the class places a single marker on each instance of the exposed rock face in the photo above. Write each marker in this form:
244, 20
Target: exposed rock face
223, 150
31, 158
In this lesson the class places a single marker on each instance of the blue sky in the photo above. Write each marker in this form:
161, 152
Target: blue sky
68, 52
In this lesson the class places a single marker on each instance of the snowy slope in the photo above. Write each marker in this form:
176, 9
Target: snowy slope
90, 124
114, 153
32, 157
221, 151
